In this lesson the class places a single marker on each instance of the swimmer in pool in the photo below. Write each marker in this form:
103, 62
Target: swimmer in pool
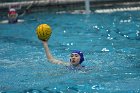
12, 16
76, 57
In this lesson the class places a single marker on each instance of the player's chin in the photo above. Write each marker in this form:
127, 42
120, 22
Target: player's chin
73, 62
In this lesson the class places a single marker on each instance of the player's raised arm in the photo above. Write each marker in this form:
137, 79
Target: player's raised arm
44, 32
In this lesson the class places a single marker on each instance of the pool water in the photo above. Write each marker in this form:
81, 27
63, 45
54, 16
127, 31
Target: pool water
110, 43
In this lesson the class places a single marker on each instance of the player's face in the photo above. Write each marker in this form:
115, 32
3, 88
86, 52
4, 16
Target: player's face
13, 16
75, 59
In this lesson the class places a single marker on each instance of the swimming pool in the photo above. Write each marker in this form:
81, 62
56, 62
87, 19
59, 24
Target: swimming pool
110, 43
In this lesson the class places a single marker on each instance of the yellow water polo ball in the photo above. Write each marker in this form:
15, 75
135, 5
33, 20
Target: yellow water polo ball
43, 32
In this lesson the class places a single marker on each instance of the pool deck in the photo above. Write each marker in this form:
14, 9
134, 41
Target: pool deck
56, 2
97, 5
41, 2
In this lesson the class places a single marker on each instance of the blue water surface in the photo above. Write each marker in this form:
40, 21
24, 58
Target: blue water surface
110, 43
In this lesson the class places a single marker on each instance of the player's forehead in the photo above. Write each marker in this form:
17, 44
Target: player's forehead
74, 54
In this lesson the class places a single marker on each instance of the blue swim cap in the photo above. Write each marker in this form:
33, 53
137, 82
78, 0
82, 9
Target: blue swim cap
81, 55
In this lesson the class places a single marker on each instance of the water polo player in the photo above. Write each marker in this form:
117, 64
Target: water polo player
76, 57
43, 32
12, 16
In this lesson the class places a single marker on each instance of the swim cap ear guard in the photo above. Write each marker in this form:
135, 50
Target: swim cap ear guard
81, 55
